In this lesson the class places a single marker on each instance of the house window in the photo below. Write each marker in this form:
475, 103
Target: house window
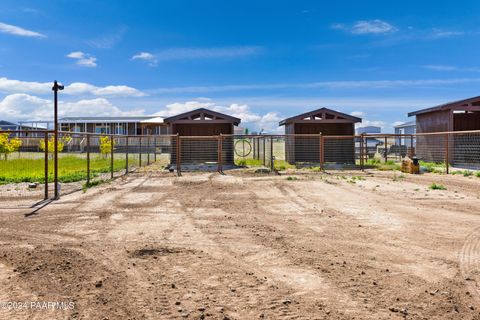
119, 130
101, 129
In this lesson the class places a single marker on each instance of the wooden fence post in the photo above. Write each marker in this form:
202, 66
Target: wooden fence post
447, 154
179, 151
321, 151
361, 152
272, 157
220, 151
386, 151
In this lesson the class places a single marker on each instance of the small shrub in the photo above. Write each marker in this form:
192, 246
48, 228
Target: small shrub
477, 174
8, 145
292, 178
435, 186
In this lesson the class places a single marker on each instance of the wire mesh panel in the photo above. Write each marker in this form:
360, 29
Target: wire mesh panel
23, 168
197, 152
303, 150
464, 150
340, 150
431, 147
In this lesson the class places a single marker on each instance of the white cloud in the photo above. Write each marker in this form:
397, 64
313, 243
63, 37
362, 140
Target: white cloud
357, 114
18, 31
449, 68
440, 33
197, 53
255, 121
78, 88
108, 41
376, 26
146, 56
83, 59
397, 123
355, 84
75, 88
374, 123
20, 106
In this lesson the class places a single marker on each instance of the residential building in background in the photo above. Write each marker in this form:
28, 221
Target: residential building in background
368, 130
405, 128
141, 125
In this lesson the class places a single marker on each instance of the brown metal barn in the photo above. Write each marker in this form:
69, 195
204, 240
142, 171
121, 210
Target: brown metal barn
200, 129
454, 116
302, 148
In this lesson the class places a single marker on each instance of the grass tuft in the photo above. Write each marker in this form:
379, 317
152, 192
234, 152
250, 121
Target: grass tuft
435, 186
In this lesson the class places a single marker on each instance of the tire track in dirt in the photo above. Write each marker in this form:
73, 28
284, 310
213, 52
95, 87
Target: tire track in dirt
469, 259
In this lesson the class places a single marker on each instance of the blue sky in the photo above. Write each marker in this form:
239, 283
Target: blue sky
259, 60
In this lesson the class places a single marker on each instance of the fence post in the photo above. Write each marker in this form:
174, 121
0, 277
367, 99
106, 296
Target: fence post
272, 158
385, 151
447, 154
411, 146
88, 160
179, 150
111, 157
148, 150
140, 151
126, 155
46, 165
361, 152
321, 151
220, 153
264, 150
155, 149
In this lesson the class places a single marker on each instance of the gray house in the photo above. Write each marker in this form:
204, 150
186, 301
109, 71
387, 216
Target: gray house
142, 125
405, 128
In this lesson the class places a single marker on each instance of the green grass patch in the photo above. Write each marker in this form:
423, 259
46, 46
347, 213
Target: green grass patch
70, 169
465, 173
292, 178
282, 165
249, 162
382, 165
435, 186
433, 167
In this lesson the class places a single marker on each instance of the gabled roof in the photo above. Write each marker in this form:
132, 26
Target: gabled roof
322, 114
405, 124
470, 102
203, 114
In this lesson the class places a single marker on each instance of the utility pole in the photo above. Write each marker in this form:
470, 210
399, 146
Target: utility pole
56, 87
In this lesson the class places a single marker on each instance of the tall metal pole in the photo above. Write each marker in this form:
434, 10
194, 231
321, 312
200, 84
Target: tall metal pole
55, 89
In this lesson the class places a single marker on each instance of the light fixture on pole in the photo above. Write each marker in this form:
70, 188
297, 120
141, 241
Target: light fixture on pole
56, 87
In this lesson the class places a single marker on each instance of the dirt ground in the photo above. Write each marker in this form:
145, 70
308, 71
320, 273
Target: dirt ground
342, 245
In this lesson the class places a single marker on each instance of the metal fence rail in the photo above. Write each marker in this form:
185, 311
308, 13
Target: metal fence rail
27, 171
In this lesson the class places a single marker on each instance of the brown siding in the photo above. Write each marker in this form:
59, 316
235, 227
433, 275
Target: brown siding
466, 121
